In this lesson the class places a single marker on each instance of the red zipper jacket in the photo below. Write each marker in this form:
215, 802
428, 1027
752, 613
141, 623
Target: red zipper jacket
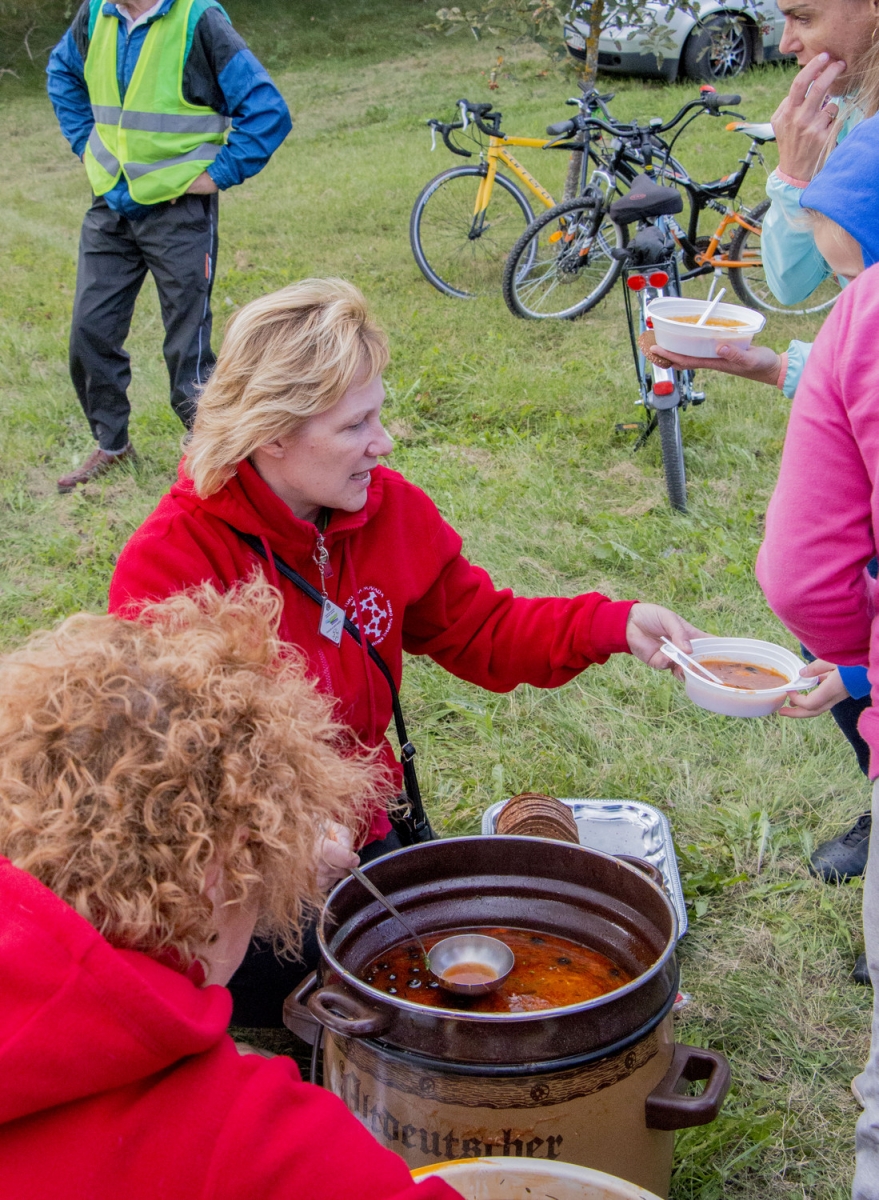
395, 567
118, 1079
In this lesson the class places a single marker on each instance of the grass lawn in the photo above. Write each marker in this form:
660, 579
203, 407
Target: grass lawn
510, 427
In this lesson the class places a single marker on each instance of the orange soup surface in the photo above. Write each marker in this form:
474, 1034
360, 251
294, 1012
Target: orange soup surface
744, 675
712, 322
549, 972
469, 973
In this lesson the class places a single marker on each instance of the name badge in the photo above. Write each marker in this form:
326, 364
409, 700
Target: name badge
332, 621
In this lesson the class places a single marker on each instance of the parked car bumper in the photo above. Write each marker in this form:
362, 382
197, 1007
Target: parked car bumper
622, 62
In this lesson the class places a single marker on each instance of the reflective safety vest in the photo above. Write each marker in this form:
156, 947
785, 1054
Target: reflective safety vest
157, 140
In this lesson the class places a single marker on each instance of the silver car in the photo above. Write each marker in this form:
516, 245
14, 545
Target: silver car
724, 41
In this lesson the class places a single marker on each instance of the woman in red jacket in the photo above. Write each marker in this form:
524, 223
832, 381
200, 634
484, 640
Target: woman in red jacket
163, 787
285, 451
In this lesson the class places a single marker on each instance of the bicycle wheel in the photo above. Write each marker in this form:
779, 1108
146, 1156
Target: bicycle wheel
672, 444
458, 257
562, 266
750, 283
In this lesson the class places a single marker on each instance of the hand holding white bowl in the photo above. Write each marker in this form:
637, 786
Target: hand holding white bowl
829, 692
645, 628
759, 363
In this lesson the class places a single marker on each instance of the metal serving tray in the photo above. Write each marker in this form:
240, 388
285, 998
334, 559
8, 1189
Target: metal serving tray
622, 827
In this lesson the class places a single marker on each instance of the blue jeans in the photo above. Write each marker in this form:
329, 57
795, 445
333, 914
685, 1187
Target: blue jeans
847, 714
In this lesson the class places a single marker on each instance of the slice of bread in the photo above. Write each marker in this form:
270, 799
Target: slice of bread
646, 343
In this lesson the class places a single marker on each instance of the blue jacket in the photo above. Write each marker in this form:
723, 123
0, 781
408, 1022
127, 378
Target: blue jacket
846, 189
220, 72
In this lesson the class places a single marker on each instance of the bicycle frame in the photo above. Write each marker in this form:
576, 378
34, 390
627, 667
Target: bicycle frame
709, 258
700, 198
496, 154
643, 286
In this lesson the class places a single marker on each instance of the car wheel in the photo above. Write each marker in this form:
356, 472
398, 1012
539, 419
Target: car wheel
718, 48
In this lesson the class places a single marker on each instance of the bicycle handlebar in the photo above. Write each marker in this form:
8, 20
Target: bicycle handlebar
562, 128
709, 101
713, 101
443, 129
477, 113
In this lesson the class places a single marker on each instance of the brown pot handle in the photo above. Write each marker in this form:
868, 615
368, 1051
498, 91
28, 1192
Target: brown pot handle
667, 1108
296, 1016
346, 1015
642, 865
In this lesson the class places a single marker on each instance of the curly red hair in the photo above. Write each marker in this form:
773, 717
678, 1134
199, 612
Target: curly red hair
134, 755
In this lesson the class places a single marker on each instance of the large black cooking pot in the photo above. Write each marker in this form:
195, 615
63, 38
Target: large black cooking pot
529, 883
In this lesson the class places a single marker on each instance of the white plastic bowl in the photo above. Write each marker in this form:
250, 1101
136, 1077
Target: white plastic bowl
530, 1179
736, 702
701, 342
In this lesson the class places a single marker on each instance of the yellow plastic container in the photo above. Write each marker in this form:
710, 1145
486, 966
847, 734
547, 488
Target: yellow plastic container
529, 1179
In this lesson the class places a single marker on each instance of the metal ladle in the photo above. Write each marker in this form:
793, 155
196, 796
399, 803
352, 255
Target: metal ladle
455, 951
395, 912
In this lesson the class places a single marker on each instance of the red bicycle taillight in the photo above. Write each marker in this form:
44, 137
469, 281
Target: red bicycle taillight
658, 279
664, 388
636, 282
649, 322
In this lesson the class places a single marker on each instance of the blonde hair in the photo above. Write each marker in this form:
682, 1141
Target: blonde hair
135, 756
862, 99
865, 90
285, 357
817, 219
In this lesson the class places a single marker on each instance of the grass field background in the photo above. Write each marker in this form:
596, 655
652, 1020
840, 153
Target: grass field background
510, 427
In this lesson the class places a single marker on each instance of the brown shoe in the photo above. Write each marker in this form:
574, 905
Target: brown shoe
97, 463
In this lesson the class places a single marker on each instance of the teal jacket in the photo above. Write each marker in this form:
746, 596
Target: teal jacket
793, 266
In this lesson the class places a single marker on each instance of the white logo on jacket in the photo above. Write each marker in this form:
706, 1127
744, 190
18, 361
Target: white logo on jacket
376, 613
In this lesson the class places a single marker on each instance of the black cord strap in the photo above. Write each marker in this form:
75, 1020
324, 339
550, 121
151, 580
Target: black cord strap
415, 820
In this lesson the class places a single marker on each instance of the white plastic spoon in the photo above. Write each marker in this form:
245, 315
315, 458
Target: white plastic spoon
678, 653
711, 307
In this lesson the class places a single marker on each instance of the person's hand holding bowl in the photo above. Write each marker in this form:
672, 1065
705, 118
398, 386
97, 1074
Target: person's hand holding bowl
645, 628
821, 699
760, 363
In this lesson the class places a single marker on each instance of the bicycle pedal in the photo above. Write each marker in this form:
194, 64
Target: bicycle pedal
630, 426
697, 398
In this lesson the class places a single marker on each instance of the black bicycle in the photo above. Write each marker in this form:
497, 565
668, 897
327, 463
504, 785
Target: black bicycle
542, 278
547, 272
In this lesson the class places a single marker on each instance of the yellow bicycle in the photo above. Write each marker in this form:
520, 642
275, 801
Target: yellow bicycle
466, 220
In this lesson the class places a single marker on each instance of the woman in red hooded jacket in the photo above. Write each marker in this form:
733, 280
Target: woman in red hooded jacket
283, 463
162, 790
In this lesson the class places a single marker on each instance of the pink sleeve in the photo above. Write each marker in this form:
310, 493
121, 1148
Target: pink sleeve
288, 1140
819, 526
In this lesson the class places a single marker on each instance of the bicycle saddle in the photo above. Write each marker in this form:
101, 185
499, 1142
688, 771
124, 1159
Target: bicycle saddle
761, 132
646, 199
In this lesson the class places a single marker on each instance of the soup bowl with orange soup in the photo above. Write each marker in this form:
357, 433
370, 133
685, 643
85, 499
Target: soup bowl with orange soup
756, 676
674, 323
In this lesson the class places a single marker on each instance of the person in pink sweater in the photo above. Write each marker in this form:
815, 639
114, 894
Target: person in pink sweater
821, 534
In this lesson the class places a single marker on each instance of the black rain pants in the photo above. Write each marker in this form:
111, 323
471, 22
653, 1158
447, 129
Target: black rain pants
177, 244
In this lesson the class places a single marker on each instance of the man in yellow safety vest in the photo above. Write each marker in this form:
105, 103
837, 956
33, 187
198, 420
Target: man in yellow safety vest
166, 106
